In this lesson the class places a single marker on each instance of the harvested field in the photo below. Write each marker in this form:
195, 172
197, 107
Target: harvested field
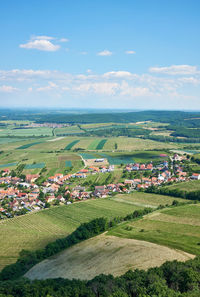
107, 255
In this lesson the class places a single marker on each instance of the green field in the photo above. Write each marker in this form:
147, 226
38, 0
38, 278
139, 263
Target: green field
35, 166
25, 146
7, 165
93, 144
35, 230
188, 186
26, 132
36, 159
71, 144
177, 228
68, 130
101, 144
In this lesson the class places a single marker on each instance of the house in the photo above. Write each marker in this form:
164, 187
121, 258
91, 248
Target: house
128, 182
50, 198
195, 176
149, 166
142, 167
30, 178
6, 171
136, 166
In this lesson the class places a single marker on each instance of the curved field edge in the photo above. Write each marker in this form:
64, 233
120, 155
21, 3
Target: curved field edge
104, 255
178, 229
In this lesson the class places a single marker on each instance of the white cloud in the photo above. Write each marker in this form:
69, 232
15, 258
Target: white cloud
83, 53
175, 70
63, 40
117, 74
7, 89
41, 44
98, 88
126, 89
49, 87
42, 37
130, 52
105, 53
123, 84
190, 80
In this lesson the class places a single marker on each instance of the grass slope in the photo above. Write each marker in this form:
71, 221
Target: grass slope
177, 228
188, 186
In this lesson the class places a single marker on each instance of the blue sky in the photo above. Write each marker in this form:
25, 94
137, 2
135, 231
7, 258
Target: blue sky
139, 54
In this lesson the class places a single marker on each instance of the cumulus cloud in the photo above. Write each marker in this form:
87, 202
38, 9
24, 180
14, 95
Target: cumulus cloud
130, 52
117, 74
42, 43
175, 70
105, 53
98, 88
51, 85
132, 91
7, 89
116, 84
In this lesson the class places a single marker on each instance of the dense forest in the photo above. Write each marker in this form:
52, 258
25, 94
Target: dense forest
172, 279
63, 116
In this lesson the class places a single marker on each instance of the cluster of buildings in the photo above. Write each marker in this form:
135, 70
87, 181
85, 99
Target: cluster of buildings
18, 196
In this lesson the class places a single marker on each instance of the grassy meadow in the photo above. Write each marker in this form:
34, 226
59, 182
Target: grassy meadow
188, 186
178, 228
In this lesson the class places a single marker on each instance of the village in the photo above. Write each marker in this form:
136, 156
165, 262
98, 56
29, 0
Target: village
19, 196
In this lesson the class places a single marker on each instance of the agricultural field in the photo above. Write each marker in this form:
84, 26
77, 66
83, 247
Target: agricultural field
104, 255
146, 199
188, 186
35, 230
35, 160
177, 228
71, 144
68, 130
26, 132
129, 144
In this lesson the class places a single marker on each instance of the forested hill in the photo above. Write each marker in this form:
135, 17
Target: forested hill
63, 116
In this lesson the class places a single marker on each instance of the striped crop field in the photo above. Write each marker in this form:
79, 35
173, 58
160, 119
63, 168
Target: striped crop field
71, 144
93, 144
25, 146
101, 144
35, 166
